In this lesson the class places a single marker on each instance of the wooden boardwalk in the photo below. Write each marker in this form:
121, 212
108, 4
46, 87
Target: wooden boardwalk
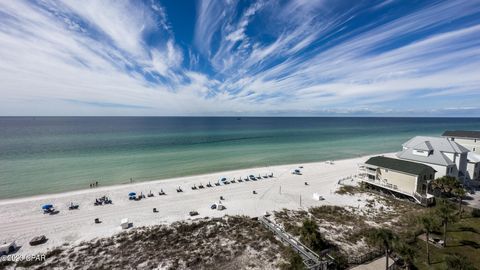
311, 259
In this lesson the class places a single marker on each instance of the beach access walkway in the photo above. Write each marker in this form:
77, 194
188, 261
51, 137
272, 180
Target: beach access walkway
311, 259
376, 264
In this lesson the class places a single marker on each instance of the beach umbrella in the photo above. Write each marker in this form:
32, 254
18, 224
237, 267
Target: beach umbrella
132, 194
47, 206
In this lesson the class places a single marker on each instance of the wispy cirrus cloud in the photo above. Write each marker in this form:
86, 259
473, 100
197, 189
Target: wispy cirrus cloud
246, 57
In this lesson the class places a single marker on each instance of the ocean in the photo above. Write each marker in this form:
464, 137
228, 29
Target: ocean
41, 155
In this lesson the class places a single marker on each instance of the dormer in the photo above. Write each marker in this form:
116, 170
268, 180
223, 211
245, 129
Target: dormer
424, 149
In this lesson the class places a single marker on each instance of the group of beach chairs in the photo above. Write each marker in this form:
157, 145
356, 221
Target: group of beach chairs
133, 196
137, 198
50, 209
225, 181
102, 200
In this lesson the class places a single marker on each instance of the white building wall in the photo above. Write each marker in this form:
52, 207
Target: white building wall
473, 171
450, 156
471, 144
441, 170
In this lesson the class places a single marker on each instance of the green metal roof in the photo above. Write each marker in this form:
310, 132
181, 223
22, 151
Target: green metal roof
399, 165
472, 134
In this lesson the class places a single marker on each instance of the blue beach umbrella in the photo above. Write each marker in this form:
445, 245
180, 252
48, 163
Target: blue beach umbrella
132, 194
47, 206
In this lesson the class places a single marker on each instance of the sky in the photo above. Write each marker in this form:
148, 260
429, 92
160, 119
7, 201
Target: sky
240, 58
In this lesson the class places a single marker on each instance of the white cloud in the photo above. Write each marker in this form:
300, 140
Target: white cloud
73, 57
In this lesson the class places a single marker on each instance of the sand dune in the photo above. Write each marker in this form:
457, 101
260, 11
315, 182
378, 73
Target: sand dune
21, 219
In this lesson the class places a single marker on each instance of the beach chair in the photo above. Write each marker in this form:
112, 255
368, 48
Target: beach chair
161, 192
221, 198
254, 192
97, 221
155, 210
217, 184
194, 187
73, 206
306, 183
201, 186
233, 181
240, 180
209, 185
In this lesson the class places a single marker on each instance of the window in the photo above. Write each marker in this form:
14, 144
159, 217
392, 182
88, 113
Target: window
424, 177
431, 176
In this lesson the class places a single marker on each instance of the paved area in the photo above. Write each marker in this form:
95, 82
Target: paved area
474, 199
374, 265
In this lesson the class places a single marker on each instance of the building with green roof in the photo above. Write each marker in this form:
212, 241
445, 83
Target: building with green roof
398, 177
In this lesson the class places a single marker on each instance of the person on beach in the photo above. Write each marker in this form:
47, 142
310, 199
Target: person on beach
96, 183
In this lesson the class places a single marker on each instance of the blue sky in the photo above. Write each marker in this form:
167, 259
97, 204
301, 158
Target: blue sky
285, 58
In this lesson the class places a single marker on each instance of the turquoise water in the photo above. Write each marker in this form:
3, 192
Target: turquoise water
54, 154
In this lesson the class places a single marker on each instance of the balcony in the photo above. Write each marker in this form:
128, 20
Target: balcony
379, 183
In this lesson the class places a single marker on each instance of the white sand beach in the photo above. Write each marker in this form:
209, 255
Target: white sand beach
22, 219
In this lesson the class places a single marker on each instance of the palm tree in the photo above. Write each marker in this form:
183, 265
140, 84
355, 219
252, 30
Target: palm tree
445, 212
407, 253
383, 238
459, 193
428, 224
445, 184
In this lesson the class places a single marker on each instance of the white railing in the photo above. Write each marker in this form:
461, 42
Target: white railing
378, 182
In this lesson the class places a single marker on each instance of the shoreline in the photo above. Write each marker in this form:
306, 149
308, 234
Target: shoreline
156, 181
21, 219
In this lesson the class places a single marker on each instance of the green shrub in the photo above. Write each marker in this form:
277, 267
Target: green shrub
294, 261
341, 260
311, 237
458, 262
350, 190
476, 212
